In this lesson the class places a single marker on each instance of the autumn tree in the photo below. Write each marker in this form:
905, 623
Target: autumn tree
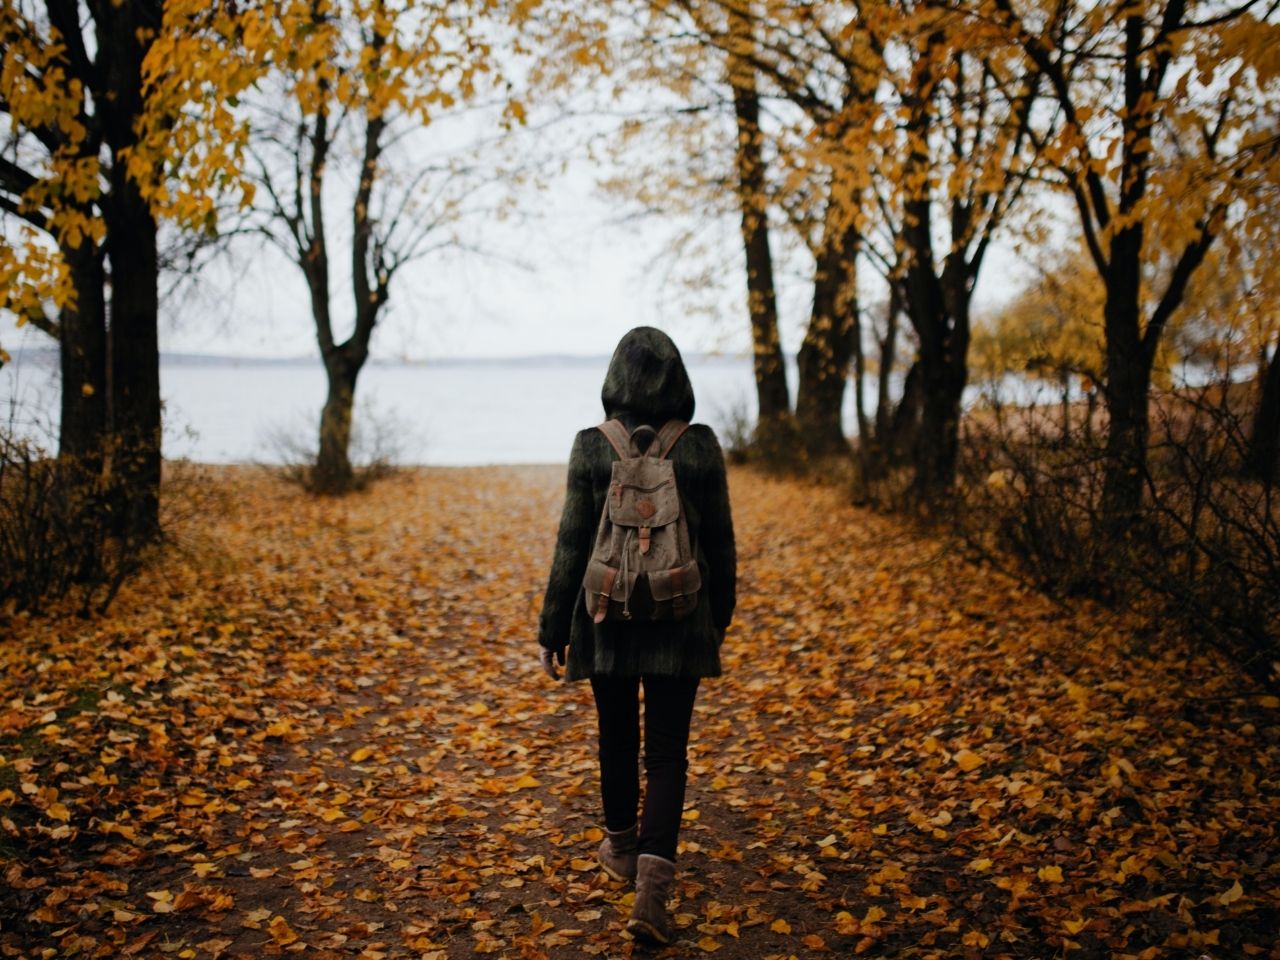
80, 238
927, 117
772, 394
696, 146
738, 133
349, 81
1163, 120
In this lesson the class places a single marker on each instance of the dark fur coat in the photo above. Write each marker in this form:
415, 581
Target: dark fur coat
646, 384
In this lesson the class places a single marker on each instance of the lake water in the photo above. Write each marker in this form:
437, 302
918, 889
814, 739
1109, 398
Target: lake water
446, 413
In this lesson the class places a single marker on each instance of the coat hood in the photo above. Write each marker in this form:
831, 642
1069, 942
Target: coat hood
647, 379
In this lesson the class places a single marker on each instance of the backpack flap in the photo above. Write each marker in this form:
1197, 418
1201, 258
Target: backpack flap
677, 587
643, 493
603, 583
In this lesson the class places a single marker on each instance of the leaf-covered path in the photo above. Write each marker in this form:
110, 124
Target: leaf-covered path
319, 728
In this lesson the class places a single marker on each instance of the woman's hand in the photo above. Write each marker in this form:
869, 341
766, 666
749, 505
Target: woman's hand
550, 659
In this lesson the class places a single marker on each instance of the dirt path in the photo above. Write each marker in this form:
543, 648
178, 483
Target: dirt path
322, 730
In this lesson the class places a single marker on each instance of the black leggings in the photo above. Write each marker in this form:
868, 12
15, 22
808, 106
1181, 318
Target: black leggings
668, 709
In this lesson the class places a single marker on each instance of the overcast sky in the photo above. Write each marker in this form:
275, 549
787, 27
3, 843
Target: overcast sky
586, 279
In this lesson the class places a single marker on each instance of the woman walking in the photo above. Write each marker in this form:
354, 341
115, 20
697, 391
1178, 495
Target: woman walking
662, 630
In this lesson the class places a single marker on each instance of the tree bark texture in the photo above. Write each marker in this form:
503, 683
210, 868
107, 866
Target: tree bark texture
82, 342
828, 347
1128, 381
124, 35
333, 472
938, 308
135, 359
937, 304
772, 395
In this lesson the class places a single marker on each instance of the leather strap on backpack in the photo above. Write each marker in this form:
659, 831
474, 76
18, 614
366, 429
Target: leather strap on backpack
606, 591
616, 433
671, 431
618, 437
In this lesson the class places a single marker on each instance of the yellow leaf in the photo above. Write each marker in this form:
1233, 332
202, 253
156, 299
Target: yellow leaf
874, 915
162, 901
709, 944
980, 865
86, 389
967, 760
281, 932
527, 782
1073, 926
1050, 874
890, 871
1271, 703
361, 755
1232, 895
58, 811
780, 926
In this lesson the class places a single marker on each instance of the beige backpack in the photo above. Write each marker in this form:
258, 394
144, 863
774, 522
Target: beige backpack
642, 566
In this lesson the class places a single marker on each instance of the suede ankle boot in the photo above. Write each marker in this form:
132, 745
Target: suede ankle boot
649, 920
618, 853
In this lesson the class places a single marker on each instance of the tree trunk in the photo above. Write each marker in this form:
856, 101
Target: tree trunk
865, 435
937, 303
772, 395
333, 473
82, 335
1264, 439
943, 374
1064, 379
828, 348
904, 426
939, 312
134, 358
1125, 391
1091, 413
125, 32
888, 360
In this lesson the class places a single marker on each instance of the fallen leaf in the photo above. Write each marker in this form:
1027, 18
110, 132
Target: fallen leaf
1232, 894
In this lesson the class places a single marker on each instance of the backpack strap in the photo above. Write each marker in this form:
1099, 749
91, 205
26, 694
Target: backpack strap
671, 431
618, 437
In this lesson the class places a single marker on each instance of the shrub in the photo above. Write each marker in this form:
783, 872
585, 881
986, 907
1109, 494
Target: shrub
377, 444
1205, 551
55, 530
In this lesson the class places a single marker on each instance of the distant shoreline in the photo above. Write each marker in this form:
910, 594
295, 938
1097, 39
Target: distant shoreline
48, 356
